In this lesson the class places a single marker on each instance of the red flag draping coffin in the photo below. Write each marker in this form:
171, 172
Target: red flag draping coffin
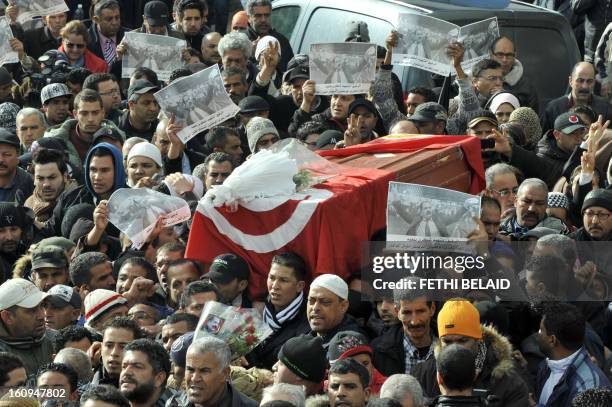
326, 226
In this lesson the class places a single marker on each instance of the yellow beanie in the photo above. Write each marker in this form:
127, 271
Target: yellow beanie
459, 317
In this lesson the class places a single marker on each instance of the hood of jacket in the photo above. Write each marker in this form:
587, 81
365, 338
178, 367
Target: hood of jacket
119, 181
498, 361
515, 74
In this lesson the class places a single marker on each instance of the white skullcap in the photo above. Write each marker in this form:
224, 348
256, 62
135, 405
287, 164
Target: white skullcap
333, 283
501, 98
266, 42
146, 150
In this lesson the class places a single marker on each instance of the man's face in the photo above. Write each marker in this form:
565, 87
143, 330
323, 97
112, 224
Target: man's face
137, 380
49, 181
9, 160
568, 142
140, 167
90, 116
532, 285
489, 82
582, 83
74, 46
265, 142
57, 109
235, 87
10, 236
28, 322
463, 341
232, 147
490, 215
504, 189
481, 130
261, 20
426, 210
282, 374
204, 377
179, 277
296, 90
46, 277
162, 141
325, 310
504, 54
143, 315
82, 344
234, 57
340, 105
102, 174
118, 311
387, 312
127, 274
59, 317
412, 101
154, 29
54, 380
113, 343
171, 332
368, 121
597, 222
210, 49
29, 129
109, 21
425, 127
102, 277
145, 109
231, 290
365, 360
161, 263
191, 21
217, 172
110, 94
416, 318
531, 206
56, 22
16, 378
346, 390
198, 301
544, 341
283, 286
5, 92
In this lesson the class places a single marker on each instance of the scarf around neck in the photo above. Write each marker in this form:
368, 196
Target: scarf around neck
276, 320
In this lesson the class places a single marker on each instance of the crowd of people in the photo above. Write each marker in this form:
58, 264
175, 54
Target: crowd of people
88, 319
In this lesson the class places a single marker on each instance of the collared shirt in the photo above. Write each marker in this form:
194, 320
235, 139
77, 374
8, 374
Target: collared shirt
412, 353
103, 40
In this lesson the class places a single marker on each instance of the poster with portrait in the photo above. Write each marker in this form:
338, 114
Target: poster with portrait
161, 53
7, 55
198, 101
422, 42
28, 9
134, 211
430, 217
346, 68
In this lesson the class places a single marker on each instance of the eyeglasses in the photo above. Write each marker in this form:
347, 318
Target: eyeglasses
111, 93
506, 192
599, 215
504, 54
71, 45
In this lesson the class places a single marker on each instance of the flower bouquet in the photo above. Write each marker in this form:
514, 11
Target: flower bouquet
241, 328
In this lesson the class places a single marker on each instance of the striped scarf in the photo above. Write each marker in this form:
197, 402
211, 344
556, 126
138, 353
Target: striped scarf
276, 320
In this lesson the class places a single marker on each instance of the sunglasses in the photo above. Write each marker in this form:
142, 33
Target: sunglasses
71, 45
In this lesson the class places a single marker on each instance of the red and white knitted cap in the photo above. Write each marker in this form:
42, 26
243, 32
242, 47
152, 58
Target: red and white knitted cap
98, 301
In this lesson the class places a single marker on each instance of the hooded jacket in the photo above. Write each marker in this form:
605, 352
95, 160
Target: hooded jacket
33, 352
85, 193
498, 374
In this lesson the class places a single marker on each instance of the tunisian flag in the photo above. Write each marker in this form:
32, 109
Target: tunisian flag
326, 226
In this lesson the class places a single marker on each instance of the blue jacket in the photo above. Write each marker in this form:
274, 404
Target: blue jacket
581, 375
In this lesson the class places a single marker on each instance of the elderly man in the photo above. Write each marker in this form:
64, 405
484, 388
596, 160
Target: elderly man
582, 84
235, 50
459, 323
502, 184
207, 372
30, 127
531, 204
404, 389
22, 324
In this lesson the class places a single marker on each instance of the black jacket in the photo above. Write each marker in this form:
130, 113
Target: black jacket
95, 46
300, 117
562, 104
458, 401
498, 375
590, 249
348, 323
598, 14
238, 399
389, 353
38, 41
266, 354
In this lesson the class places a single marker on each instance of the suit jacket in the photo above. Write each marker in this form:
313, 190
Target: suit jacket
95, 46
38, 41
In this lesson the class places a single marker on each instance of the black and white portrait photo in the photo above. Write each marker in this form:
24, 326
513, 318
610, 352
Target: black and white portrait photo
37, 8
7, 55
162, 54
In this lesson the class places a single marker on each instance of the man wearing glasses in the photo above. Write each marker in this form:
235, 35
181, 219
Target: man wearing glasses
107, 86
582, 84
515, 80
502, 184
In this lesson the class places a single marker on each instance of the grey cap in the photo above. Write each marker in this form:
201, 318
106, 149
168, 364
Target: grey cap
52, 91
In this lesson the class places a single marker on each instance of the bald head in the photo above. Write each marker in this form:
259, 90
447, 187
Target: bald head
582, 82
404, 127
210, 52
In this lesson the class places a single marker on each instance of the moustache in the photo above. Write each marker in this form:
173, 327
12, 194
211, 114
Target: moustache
529, 214
412, 326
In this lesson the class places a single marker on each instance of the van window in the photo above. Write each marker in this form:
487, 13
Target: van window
330, 25
284, 19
